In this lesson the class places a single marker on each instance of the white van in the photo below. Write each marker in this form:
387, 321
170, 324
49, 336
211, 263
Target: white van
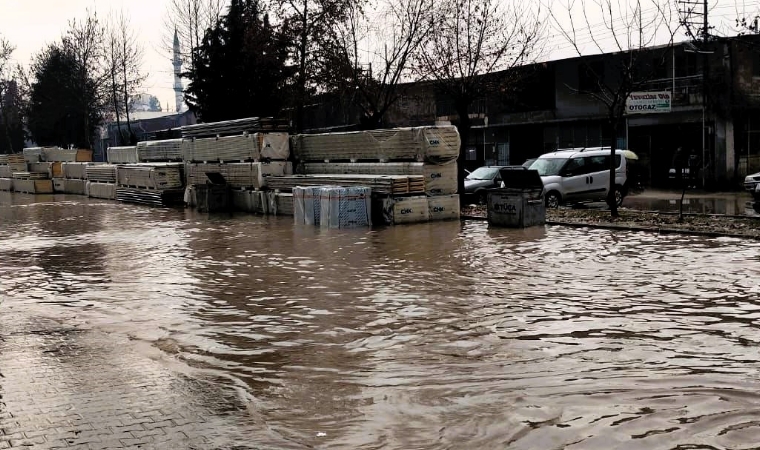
578, 175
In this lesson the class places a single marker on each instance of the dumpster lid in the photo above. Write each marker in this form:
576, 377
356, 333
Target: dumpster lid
216, 178
519, 177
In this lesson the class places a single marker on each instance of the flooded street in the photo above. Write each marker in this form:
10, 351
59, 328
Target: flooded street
256, 333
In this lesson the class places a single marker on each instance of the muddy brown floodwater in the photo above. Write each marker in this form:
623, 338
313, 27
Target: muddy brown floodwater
444, 335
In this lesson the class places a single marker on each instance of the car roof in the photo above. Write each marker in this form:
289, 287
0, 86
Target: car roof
573, 152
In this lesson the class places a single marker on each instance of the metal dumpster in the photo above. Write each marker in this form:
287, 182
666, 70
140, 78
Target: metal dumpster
520, 202
214, 195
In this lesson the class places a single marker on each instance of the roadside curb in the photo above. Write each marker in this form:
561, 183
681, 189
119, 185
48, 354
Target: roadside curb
609, 226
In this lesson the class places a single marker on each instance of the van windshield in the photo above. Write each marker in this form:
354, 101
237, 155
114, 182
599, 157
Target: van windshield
548, 166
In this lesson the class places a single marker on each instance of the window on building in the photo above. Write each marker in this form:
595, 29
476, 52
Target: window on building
687, 65
590, 76
472, 154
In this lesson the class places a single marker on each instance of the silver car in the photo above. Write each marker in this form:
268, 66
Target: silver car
752, 185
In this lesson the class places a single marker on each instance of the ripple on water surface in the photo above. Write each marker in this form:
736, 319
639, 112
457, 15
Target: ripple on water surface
428, 336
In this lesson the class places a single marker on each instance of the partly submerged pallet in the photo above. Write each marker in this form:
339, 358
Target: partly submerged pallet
164, 197
382, 184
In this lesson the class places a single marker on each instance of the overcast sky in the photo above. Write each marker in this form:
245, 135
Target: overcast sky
31, 24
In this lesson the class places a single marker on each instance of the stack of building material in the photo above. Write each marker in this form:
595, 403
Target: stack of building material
29, 176
279, 203
158, 176
17, 163
42, 167
56, 154
33, 154
432, 144
230, 127
33, 186
6, 175
440, 179
101, 181
333, 206
239, 175
165, 197
122, 155
74, 177
426, 152
150, 183
164, 150
240, 148
6, 184
251, 201
380, 184
101, 173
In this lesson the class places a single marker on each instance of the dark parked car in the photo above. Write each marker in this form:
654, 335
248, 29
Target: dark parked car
477, 183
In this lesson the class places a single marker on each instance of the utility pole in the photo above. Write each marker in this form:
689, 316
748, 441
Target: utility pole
700, 34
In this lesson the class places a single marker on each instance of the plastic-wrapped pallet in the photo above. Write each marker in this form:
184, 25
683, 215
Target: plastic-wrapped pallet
56, 154
307, 204
75, 170
274, 146
122, 155
32, 154
242, 175
106, 191
33, 186
42, 167
398, 210
6, 184
151, 176
164, 150
59, 185
6, 172
345, 207
279, 203
444, 207
77, 187
228, 148
103, 173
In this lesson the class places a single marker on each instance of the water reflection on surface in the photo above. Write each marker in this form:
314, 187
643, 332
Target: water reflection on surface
442, 335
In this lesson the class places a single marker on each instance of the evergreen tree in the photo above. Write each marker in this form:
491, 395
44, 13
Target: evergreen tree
62, 106
240, 68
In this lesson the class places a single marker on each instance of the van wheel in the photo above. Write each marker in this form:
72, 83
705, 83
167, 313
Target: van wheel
553, 199
619, 195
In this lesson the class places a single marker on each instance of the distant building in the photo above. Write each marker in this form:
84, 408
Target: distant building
144, 102
146, 125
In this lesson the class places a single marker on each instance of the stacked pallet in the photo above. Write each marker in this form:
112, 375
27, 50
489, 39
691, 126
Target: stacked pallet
380, 184
17, 163
240, 148
57, 154
74, 179
440, 179
426, 152
154, 184
6, 174
238, 126
431, 144
239, 175
157, 151
122, 155
101, 173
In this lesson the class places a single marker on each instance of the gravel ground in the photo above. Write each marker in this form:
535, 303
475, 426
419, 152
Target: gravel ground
697, 224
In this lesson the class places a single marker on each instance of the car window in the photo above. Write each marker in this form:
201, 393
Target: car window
576, 166
599, 163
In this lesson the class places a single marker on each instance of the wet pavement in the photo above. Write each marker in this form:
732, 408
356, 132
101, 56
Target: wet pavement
696, 202
126, 326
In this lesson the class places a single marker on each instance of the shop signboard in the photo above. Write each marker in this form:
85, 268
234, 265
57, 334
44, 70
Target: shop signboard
648, 102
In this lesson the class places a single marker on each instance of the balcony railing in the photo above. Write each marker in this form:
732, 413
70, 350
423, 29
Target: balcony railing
688, 90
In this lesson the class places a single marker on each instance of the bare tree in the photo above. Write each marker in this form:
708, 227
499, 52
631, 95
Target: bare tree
631, 28
123, 64
189, 19
748, 17
375, 59
469, 41
6, 50
84, 40
309, 24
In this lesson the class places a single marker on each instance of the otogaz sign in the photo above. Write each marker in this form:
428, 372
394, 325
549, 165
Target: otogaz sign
648, 102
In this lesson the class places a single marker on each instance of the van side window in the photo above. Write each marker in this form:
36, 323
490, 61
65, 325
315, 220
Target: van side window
574, 167
599, 163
